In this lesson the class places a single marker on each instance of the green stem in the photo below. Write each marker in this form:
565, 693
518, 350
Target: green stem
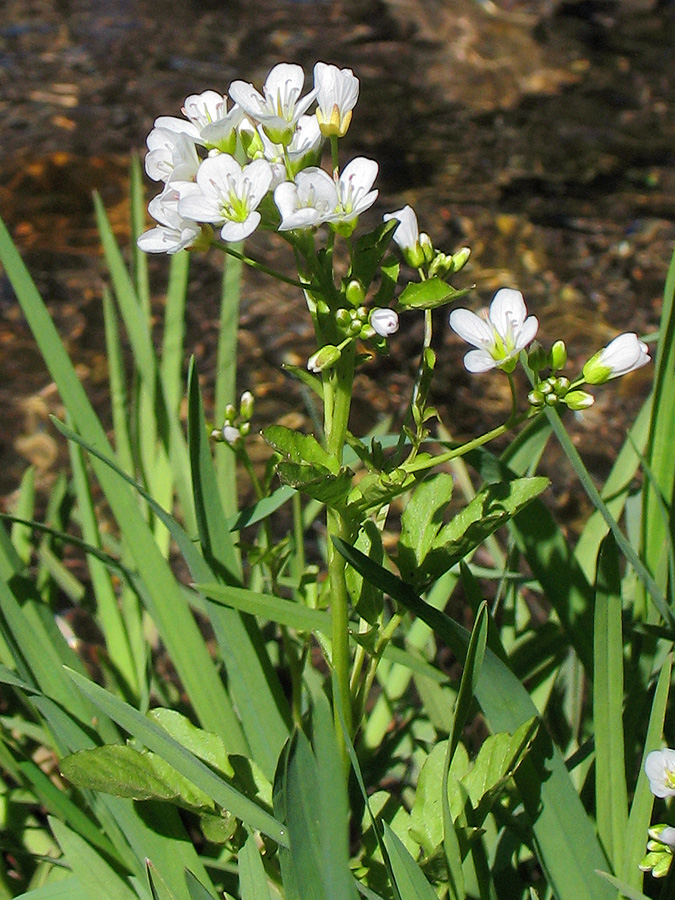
337, 401
261, 267
422, 464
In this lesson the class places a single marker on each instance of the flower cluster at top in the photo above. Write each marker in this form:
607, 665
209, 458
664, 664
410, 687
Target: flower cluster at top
226, 156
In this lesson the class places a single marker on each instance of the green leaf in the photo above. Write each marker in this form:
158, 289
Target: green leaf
611, 800
317, 482
89, 867
491, 508
566, 842
67, 889
120, 770
159, 741
196, 889
426, 818
410, 880
369, 250
429, 294
367, 598
421, 521
253, 883
299, 448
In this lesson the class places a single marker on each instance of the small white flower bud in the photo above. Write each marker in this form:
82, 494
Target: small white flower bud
231, 434
246, 405
384, 321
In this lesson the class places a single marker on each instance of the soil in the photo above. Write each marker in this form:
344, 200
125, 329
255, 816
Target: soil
539, 134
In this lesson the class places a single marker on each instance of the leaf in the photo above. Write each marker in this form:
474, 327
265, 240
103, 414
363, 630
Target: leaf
367, 597
319, 483
566, 842
125, 772
491, 508
421, 521
204, 744
89, 866
427, 812
252, 879
410, 880
369, 250
299, 448
376, 489
429, 294
196, 889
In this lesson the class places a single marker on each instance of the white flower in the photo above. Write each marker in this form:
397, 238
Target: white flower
207, 121
407, 235
172, 156
500, 336
279, 107
337, 93
354, 193
173, 233
660, 770
227, 194
308, 201
624, 354
384, 321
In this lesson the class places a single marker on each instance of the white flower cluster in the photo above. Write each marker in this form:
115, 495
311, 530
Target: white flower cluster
205, 185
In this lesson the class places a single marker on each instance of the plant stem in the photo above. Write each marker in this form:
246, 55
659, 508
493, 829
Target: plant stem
337, 401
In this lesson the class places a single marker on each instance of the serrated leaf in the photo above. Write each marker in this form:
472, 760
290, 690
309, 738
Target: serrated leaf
318, 483
125, 772
296, 447
429, 294
421, 521
489, 510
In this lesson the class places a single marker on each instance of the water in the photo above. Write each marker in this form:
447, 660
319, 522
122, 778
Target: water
540, 136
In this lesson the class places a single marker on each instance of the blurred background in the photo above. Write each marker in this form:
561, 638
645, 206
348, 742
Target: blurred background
540, 134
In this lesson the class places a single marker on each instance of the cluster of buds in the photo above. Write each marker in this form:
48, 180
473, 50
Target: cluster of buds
376, 325
237, 424
418, 250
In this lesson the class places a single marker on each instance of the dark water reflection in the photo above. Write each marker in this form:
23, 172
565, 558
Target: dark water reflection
541, 136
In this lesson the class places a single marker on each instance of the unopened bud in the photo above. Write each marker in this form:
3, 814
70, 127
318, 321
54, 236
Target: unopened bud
537, 357
578, 400
246, 405
558, 356
460, 259
231, 434
355, 292
323, 359
384, 321
426, 246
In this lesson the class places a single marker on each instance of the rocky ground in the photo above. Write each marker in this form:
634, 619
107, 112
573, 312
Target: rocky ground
538, 133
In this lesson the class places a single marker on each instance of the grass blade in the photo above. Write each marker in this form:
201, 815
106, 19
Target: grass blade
611, 799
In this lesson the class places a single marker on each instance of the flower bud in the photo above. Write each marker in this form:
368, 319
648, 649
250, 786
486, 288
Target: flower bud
578, 400
426, 246
231, 434
558, 356
440, 265
536, 398
384, 321
460, 259
343, 317
537, 357
324, 358
230, 412
246, 405
622, 355
354, 292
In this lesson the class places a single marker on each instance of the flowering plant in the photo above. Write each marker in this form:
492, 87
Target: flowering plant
320, 632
